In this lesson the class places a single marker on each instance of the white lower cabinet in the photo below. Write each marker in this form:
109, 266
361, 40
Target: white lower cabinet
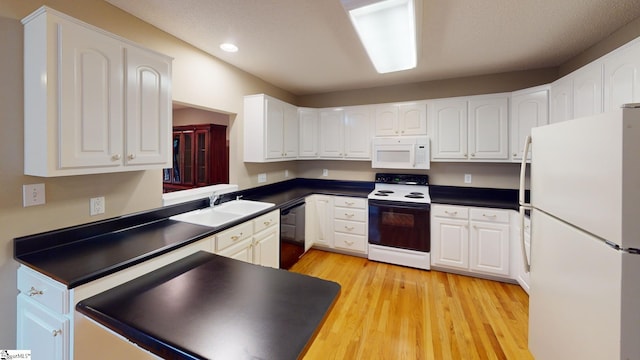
41, 330
337, 223
256, 241
519, 250
471, 240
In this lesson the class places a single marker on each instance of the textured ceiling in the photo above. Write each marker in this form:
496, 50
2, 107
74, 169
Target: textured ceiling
309, 46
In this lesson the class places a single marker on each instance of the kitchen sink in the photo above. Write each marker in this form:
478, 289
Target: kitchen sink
224, 213
243, 207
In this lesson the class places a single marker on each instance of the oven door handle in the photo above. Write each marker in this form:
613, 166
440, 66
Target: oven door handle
399, 204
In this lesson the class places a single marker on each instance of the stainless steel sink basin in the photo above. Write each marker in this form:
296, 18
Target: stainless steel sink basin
224, 213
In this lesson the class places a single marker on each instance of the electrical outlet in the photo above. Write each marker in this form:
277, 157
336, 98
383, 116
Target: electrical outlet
467, 178
325, 172
286, 173
96, 206
32, 194
262, 177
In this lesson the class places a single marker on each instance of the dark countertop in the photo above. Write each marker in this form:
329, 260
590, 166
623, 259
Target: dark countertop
79, 254
207, 306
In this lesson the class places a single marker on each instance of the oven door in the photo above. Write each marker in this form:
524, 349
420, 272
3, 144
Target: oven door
400, 224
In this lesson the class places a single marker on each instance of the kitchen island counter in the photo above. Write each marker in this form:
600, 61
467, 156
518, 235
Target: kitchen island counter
207, 306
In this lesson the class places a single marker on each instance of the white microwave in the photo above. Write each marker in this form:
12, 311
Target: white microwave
401, 152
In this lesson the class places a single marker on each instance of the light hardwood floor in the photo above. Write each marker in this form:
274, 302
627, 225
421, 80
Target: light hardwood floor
393, 312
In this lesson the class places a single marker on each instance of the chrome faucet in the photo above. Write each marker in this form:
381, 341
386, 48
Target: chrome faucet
212, 199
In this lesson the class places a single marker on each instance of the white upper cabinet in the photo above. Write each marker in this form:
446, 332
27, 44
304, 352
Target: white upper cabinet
622, 76
77, 119
528, 110
587, 90
402, 119
561, 100
345, 133
449, 135
470, 128
270, 129
488, 128
308, 122
331, 127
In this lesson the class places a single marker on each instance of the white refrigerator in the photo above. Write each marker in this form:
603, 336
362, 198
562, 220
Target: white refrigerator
585, 234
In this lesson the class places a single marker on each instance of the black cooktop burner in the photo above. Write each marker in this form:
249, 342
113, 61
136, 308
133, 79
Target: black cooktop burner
416, 193
380, 193
414, 196
386, 191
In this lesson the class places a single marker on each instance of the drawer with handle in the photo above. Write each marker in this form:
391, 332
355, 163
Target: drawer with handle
350, 227
234, 235
356, 203
492, 215
456, 212
350, 242
43, 290
350, 214
264, 221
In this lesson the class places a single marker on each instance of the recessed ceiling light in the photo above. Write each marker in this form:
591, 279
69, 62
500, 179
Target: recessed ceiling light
228, 47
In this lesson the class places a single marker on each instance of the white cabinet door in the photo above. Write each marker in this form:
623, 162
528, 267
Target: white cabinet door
318, 221
357, 131
489, 248
529, 109
561, 100
266, 248
622, 77
148, 108
274, 123
331, 133
42, 331
587, 90
308, 144
91, 103
412, 119
386, 122
488, 128
290, 132
450, 243
449, 129
242, 251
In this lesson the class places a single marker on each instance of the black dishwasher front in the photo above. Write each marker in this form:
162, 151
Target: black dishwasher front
291, 235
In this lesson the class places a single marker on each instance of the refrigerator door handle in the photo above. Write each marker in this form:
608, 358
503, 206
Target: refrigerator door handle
523, 170
527, 265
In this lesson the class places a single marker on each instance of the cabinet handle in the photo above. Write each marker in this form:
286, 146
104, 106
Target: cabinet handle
236, 237
349, 228
402, 132
33, 292
489, 216
465, 154
132, 156
348, 242
267, 223
115, 157
453, 213
473, 154
514, 154
349, 203
349, 215
56, 332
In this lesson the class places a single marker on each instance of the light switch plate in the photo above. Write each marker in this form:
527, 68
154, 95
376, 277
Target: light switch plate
33, 194
325, 172
262, 177
467, 178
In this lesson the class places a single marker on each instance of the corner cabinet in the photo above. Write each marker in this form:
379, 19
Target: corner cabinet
94, 102
270, 129
529, 109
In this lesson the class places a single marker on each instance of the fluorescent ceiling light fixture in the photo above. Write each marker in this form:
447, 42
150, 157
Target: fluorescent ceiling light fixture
228, 47
387, 30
